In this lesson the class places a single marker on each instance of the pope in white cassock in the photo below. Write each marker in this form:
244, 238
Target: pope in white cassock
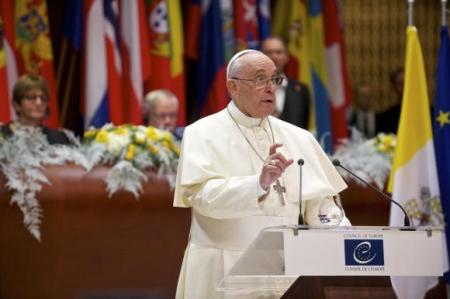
236, 173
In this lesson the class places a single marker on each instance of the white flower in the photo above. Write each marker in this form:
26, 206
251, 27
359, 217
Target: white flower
116, 143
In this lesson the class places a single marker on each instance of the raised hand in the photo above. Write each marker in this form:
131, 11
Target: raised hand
274, 166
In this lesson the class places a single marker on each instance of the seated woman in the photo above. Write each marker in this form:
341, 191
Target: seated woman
30, 101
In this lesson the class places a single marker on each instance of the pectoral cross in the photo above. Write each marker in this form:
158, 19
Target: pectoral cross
280, 190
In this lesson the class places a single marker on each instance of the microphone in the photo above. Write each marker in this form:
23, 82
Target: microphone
407, 222
301, 221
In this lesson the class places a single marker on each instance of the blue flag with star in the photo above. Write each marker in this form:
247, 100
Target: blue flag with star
441, 123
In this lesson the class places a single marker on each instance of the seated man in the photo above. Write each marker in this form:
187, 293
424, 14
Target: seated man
388, 120
30, 102
236, 174
161, 111
363, 115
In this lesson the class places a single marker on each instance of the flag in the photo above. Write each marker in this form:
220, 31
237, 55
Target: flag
290, 22
135, 58
316, 42
264, 18
413, 180
113, 60
167, 50
441, 121
246, 30
96, 101
5, 104
338, 79
73, 24
226, 8
34, 49
211, 80
8, 38
194, 18
281, 17
103, 67
69, 64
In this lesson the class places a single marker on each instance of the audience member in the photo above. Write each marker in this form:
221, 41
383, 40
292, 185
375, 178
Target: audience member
292, 97
363, 116
161, 111
30, 102
388, 120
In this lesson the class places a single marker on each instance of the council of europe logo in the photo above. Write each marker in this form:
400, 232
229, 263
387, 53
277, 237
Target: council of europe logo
364, 252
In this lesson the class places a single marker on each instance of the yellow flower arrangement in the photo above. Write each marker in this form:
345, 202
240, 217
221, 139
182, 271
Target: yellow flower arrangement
127, 142
131, 150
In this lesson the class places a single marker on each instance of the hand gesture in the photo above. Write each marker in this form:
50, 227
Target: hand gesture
274, 166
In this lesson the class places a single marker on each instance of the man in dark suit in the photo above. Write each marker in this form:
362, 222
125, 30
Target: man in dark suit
387, 121
293, 103
362, 116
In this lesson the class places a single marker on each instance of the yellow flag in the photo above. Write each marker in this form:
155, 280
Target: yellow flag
291, 22
414, 129
413, 179
176, 37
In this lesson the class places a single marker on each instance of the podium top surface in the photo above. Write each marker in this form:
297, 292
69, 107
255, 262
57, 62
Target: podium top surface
353, 228
281, 253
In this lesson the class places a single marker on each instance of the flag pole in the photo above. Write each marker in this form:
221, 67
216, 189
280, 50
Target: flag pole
443, 13
410, 12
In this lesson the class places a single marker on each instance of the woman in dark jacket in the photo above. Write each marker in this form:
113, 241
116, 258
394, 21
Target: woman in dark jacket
30, 101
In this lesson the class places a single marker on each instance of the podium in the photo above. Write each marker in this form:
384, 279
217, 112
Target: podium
276, 259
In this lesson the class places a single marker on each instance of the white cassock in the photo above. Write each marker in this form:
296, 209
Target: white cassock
218, 177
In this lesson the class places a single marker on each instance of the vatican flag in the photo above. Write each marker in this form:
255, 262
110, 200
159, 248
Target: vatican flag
413, 181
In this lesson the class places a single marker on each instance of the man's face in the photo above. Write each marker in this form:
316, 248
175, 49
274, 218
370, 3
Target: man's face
254, 101
33, 107
164, 114
364, 97
274, 48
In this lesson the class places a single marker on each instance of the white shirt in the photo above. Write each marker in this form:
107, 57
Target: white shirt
280, 96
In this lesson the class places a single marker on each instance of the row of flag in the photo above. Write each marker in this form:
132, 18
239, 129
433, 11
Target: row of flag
114, 51
123, 49
216, 29
420, 173
316, 48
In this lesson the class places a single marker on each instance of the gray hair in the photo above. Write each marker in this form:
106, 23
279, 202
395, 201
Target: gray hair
152, 98
235, 64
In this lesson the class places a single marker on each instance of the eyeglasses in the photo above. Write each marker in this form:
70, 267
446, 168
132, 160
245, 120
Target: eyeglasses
260, 82
164, 115
34, 97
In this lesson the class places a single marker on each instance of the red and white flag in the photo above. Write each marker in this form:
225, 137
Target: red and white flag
338, 79
135, 58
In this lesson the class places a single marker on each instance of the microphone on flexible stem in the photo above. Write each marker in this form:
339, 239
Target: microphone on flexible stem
301, 221
337, 163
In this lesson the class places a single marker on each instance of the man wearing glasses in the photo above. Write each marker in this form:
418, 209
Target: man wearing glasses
161, 111
236, 173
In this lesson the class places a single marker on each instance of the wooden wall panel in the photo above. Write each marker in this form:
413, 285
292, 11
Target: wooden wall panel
375, 35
